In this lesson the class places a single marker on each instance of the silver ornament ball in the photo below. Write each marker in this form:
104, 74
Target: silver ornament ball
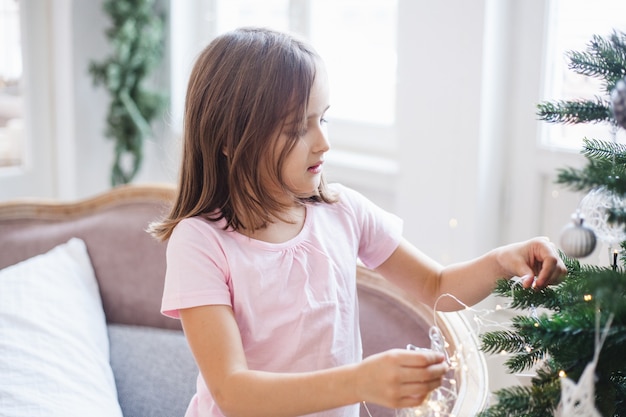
577, 240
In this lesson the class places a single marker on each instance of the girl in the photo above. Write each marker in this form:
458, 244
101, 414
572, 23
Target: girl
262, 253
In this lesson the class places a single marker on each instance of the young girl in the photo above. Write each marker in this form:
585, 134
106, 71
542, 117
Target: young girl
262, 253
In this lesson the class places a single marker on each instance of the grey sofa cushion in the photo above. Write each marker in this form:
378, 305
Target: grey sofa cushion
155, 372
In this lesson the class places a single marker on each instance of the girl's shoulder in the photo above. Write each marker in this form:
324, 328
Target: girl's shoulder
199, 227
348, 198
342, 193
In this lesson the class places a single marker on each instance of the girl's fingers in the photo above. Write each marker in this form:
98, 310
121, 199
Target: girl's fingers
395, 377
424, 375
419, 358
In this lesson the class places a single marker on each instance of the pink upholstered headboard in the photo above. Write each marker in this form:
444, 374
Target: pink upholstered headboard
129, 264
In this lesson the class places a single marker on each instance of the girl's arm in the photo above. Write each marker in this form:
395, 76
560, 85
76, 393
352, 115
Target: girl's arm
396, 378
536, 261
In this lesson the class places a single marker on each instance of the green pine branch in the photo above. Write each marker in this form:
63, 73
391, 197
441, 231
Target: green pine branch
604, 150
547, 374
597, 173
501, 341
575, 111
525, 360
524, 298
605, 59
524, 401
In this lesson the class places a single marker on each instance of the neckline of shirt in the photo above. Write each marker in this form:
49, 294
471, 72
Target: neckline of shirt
294, 241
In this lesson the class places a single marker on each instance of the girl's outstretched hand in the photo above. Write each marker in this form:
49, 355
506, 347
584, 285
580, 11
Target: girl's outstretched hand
400, 378
536, 261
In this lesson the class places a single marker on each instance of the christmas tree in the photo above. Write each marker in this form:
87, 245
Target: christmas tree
559, 331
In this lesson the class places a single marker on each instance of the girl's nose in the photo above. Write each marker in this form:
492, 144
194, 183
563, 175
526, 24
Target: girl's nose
322, 144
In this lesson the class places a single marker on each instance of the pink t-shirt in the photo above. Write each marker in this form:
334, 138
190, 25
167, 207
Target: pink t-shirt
295, 302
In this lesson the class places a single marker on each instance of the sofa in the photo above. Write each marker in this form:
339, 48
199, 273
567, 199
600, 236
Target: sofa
80, 327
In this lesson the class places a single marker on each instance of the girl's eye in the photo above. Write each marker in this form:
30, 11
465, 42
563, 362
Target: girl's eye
304, 129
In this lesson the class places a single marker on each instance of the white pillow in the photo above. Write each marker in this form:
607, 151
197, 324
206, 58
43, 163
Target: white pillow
54, 347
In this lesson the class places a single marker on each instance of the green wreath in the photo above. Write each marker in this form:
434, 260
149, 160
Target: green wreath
137, 40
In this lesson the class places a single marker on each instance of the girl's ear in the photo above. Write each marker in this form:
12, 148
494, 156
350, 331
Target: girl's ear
224, 151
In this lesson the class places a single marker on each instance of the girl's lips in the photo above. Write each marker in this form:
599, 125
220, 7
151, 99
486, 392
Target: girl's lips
315, 169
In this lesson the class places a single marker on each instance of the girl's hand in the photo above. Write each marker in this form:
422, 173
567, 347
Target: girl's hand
536, 261
399, 378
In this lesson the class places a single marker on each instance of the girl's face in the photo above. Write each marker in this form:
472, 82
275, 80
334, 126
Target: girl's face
302, 168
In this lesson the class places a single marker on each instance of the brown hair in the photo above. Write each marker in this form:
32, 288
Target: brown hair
242, 89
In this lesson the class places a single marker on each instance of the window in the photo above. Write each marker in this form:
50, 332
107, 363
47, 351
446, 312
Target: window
356, 39
11, 130
231, 14
572, 23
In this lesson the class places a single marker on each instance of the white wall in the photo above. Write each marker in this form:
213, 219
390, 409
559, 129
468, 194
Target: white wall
439, 107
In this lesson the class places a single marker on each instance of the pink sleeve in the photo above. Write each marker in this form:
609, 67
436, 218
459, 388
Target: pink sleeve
380, 230
197, 271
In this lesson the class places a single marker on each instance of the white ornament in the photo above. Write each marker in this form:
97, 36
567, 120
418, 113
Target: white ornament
578, 399
577, 240
618, 99
594, 207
